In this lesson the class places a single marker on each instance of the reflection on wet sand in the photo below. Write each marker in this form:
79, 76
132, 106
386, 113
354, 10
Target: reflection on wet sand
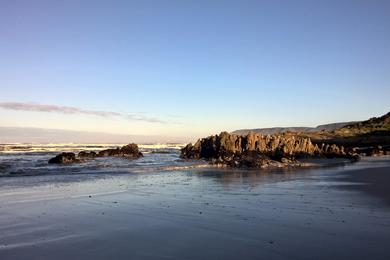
194, 214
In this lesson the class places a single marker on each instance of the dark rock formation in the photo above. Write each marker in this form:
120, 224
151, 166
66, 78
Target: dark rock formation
373, 150
130, 151
127, 151
64, 158
254, 150
87, 154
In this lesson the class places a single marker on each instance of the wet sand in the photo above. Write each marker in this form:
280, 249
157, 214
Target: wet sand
374, 181
330, 213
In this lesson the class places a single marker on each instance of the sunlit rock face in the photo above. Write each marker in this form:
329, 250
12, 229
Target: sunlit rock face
255, 150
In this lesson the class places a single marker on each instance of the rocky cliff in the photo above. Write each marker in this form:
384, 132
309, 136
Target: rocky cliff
255, 150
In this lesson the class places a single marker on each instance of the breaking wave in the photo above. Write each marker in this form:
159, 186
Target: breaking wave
32, 159
70, 147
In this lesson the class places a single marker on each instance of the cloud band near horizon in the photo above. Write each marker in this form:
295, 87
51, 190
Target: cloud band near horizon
35, 107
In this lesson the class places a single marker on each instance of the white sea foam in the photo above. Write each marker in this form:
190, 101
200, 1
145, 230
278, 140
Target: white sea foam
32, 159
67, 147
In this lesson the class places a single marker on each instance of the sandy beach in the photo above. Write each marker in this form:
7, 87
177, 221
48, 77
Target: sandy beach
338, 212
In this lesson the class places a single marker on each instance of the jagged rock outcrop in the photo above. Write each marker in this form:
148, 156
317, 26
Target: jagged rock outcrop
255, 150
130, 150
127, 151
64, 158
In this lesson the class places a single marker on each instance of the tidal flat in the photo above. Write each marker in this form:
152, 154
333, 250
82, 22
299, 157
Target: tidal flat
199, 213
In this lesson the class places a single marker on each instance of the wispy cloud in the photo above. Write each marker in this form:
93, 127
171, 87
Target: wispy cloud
74, 110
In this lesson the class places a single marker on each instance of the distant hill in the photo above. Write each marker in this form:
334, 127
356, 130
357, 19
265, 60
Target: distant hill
375, 124
277, 130
272, 130
372, 132
332, 127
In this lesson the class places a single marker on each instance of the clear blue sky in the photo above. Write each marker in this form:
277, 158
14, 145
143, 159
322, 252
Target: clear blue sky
200, 67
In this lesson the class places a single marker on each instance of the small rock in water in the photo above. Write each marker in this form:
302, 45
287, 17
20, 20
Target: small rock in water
129, 151
87, 155
64, 158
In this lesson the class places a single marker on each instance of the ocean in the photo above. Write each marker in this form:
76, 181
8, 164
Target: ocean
32, 159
